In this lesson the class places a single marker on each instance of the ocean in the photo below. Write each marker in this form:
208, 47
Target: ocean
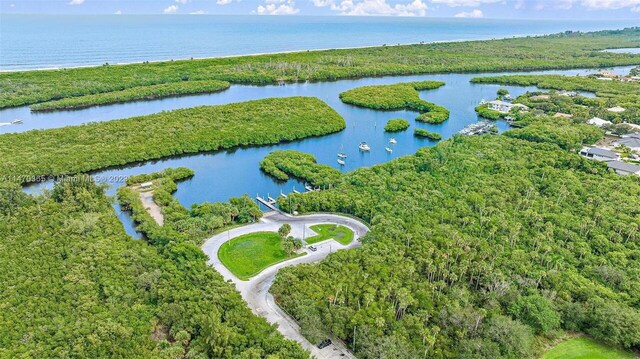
56, 41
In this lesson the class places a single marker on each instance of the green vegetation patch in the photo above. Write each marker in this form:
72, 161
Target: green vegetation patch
341, 234
483, 245
585, 348
398, 96
490, 114
134, 94
249, 254
420, 132
396, 124
284, 163
91, 291
207, 128
561, 51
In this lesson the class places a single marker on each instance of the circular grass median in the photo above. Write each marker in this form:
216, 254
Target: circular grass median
340, 234
249, 254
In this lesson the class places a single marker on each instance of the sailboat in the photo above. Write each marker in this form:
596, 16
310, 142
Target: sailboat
341, 154
341, 162
17, 121
363, 146
388, 149
392, 140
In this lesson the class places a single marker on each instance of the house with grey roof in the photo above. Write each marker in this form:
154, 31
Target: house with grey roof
631, 140
599, 154
624, 168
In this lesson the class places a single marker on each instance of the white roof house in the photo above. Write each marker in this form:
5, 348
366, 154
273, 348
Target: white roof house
599, 154
146, 185
504, 107
616, 109
624, 168
598, 122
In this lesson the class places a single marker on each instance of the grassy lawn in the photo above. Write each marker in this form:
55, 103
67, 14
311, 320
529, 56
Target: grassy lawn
585, 348
341, 234
249, 254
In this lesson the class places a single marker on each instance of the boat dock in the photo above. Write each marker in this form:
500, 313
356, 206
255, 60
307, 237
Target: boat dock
477, 128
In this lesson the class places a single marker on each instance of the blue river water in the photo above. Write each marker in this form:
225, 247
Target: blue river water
224, 174
54, 41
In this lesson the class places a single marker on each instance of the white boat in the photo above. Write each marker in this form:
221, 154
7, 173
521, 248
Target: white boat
388, 149
341, 162
341, 154
17, 121
392, 140
363, 146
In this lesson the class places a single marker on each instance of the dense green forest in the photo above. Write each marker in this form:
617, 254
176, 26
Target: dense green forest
285, 163
561, 51
134, 94
396, 124
421, 132
74, 284
88, 147
400, 96
480, 247
609, 94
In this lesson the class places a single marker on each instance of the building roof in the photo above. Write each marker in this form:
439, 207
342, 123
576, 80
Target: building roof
623, 166
600, 152
631, 142
598, 122
616, 109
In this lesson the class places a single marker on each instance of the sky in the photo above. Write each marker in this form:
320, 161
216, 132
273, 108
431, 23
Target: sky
514, 9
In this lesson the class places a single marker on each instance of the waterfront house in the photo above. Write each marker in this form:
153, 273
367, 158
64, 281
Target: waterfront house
616, 109
505, 107
631, 140
624, 168
596, 121
599, 154
146, 185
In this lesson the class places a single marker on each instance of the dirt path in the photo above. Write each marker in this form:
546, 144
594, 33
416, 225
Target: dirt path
150, 205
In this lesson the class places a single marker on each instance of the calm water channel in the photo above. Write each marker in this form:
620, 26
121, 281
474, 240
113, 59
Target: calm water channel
224, 174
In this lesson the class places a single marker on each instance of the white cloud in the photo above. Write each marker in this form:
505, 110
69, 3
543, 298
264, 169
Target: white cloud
469, 3
182, 1
475, 13
171, 9
225, 2
199, 12
273, 9
374, 7
610, 4
76, 2
118, 12
12, 5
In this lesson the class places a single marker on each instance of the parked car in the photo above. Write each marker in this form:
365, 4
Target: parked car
325, 343
312, 248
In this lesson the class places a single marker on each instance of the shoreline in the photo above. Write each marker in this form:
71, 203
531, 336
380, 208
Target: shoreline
54, 68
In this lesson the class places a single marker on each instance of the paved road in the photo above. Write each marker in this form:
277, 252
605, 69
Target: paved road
255, 291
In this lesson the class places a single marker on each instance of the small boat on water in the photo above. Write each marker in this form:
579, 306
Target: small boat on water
388, 149
341, 162
341, 154
17, 121
363, 146
392, 140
